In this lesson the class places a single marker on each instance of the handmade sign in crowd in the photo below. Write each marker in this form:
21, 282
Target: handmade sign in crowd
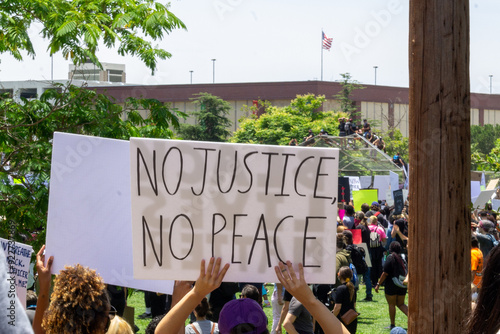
18, 257
146, 211
251, 205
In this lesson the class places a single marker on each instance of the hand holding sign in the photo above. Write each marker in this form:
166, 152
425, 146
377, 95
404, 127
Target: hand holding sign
211, 279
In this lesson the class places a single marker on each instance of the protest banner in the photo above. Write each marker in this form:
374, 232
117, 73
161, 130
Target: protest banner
365, 181
394, 180
389, 200
354, 183
492, 184
399, 201
483, 198
89, 220
18, 257
251, 205
344, 193
364, 196
382, 183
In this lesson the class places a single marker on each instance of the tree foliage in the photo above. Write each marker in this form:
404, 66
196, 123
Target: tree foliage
211, 121
26, 132
77, 27
396, 143
483, 138
278, 125
344, 96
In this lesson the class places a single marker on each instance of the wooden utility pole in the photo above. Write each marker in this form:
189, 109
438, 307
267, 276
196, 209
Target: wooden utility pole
439, 247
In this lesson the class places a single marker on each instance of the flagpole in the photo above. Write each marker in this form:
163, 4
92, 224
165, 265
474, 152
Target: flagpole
321, 54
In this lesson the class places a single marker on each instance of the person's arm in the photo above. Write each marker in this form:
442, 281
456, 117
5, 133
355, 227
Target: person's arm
288, 324
381, 281
284, 312
297, 286
208, 281
336, 309
280, 293
44, 277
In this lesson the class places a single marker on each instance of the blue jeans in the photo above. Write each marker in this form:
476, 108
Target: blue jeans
368, 282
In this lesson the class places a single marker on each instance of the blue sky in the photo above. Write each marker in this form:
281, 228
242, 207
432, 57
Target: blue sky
277, 40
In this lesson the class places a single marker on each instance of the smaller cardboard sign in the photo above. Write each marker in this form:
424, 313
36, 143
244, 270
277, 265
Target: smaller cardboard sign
382, 183
365, 181
483, 198
394, 180
492, 184
344, 194
389, 200
341, 214
354, 183
367, 254
495, 204
399, 201
364, 196
356, 236
18, 257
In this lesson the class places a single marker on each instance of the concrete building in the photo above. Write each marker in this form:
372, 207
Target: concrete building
90, 72
388, 106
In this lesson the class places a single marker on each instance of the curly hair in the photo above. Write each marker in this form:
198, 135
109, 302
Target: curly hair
79, 303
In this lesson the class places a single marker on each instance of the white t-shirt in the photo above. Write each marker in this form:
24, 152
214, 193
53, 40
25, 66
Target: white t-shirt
203, 327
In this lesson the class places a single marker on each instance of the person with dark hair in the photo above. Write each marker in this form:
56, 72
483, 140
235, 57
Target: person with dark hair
486, 236
375, 247
250, 291
345, 298
394, 274
153, 324
342, 256
365, 208
484, 318
202, 325
298, 320
348, 220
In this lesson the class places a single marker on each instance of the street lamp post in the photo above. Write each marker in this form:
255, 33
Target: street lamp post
375, 67
191, 72
491, 77
213, 75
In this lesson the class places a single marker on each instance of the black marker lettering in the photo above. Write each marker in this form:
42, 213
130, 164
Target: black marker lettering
249, 171
144, 228
180, 170
304, 243
318, 174
213, 230
234, 172
270, 154
297, 175
284, 174
235, 236
275, 239
170, 237
262, 222
204, 170
153, 186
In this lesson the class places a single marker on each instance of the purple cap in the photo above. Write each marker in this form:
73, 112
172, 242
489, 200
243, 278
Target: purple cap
375, 203
242, 311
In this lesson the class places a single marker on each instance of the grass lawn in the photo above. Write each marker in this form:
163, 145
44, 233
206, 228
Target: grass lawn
373, 319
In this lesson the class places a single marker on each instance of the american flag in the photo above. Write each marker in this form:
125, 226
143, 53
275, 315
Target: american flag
327, 42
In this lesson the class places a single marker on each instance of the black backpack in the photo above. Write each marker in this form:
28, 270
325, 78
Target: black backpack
358, 259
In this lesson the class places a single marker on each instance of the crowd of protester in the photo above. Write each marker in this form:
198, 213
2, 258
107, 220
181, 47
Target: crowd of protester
80, 302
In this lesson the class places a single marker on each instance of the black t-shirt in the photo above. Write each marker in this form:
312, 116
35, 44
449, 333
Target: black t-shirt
403, 228
342, 297
287, 297
394, 267
365, 233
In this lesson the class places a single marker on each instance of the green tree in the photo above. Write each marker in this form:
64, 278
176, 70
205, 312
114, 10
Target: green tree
344, 96
483, 138
211, 121
397, 143
26, 131
78, 27
278, 125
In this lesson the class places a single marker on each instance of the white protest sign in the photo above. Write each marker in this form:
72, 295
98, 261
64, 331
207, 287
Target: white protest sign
495, 204
89, 218
365, 181
382, 183
483, 198
389, 198
394, 180
251, 205
354, 183
18, 257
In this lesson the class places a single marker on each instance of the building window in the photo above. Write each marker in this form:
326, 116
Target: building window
28, 93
